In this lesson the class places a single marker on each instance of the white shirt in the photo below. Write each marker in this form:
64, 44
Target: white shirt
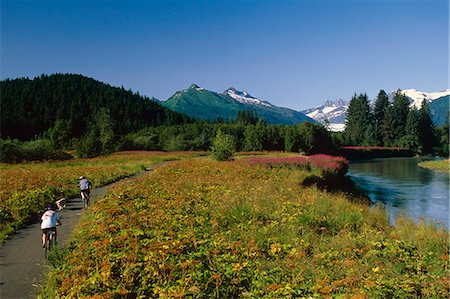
49, 219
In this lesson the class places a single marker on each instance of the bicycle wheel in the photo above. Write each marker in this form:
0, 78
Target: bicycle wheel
48, 243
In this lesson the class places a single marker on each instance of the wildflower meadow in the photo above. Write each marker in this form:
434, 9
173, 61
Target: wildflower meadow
197, 228
25, 189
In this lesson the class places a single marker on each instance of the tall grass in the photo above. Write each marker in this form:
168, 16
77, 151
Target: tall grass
204, 229
26, 188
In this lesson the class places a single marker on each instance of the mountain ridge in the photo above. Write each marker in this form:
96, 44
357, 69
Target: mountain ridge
205, 104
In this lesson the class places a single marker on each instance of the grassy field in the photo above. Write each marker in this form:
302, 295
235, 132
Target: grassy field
196, 228
438, 165
25, 189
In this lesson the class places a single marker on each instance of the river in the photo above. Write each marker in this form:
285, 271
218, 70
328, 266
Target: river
404, 188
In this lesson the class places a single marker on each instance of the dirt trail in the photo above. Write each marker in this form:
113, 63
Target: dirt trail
23, 266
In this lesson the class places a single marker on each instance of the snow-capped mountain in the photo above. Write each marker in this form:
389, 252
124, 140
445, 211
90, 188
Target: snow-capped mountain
335, 111
245, 98
332, 111
417, 97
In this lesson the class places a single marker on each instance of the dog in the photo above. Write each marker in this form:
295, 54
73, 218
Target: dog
61, 203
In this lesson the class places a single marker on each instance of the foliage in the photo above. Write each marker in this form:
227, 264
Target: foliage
100, 136
29, 108
305, 137
223, 147
14, 151
26, 188
358, 119
191, 229
315, 139
246, 117
392, 124
426, 130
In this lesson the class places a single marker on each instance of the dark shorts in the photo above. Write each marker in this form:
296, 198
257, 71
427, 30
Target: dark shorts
86, 191
45, 230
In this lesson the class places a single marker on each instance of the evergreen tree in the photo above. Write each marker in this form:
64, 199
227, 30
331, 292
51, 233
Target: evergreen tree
246, 117
370, 136
411, 138
400, 110
253, 138
379, 113
388, 132
315, 139
427, 131
444, 147
358, 119
292, 139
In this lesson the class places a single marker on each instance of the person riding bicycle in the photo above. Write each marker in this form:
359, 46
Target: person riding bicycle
49, 220
85, 187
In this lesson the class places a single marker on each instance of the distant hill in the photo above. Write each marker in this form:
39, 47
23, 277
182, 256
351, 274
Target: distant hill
29, 107
201, 103
440, 109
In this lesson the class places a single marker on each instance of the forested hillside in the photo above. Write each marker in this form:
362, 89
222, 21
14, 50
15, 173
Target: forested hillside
29, 107
439, 109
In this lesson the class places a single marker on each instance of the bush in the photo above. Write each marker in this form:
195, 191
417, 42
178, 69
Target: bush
14, 151
10, 151
223, 147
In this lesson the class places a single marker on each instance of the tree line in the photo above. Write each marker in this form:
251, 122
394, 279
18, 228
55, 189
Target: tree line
43, 117
393, 124
69, 102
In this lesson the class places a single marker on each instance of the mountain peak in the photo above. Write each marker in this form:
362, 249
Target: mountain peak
231, 89
244, 97
193, 86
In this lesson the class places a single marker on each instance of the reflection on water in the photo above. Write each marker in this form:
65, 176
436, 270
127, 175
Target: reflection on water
404, 188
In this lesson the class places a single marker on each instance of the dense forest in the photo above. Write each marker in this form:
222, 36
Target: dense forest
31, 107
44, 117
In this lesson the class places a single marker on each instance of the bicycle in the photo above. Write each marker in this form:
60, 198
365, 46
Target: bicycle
50, 242
85, 198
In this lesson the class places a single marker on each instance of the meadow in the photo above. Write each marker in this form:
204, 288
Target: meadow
197, 228
26, 189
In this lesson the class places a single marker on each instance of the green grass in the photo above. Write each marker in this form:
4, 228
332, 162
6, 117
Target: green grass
438, 165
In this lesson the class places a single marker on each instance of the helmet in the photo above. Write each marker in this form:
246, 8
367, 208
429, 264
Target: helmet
81, 177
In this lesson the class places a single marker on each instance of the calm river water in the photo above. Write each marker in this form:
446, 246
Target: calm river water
404, 188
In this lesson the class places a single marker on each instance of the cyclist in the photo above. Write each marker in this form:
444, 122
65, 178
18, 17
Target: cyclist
49, 220
85, 187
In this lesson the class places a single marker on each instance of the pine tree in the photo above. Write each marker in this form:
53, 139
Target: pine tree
358, 119
387, 129
379, 113
400, 110
411, 138
427, 131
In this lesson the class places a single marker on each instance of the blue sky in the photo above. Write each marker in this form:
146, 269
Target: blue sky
295, 54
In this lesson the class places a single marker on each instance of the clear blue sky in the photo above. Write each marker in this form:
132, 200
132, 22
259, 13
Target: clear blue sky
295, 54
